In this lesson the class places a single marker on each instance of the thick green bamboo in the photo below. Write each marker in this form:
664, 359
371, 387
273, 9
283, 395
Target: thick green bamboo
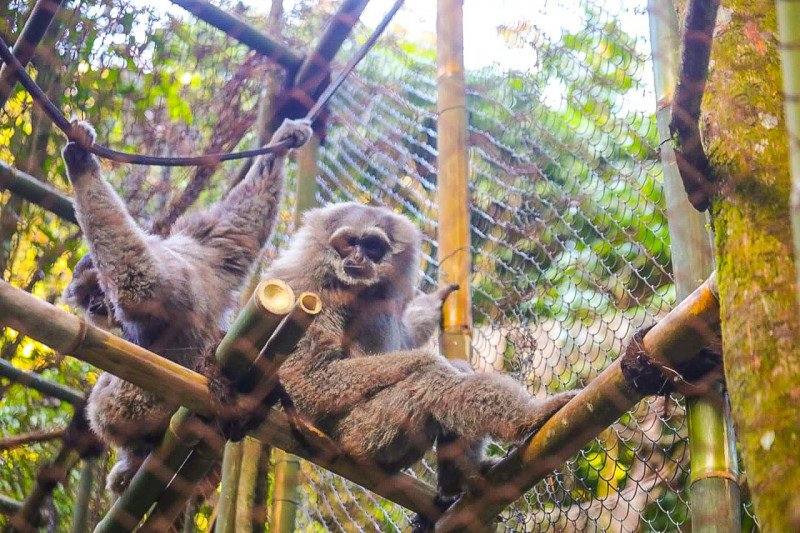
284, 495
226, 506
714, 493
788, 13
25, 313
37, 382
285, 498
238, 350
454, 222
173, 501
691, 326
37, 192
80, 512
245, 493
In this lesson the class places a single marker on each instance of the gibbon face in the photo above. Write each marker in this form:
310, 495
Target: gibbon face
369, 245
84, 292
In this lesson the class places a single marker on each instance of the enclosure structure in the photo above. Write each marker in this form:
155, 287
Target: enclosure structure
581, 235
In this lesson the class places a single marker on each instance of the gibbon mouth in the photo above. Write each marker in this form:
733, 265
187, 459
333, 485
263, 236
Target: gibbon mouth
358, 271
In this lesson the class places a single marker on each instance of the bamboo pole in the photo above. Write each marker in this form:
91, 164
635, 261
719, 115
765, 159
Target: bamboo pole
226, 507
284, 496
454, 222
691, 326
788, 13
69, 334
42, 14
246, 490
244, 33
37, 192
24, 312
238, 350
13, 441
9, 506
714, 492
37, 382
80, 513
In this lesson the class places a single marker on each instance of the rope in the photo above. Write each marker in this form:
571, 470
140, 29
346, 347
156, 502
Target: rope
58, 118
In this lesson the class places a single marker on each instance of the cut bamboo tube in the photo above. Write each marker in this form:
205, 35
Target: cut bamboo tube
454, 240
37, 382
24, 312
237, 351
691, 326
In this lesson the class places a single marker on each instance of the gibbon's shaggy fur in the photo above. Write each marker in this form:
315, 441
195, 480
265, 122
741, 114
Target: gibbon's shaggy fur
358, 373
174, 295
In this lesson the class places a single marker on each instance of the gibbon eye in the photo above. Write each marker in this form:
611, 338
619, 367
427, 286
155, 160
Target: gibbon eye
343, 243
374, 247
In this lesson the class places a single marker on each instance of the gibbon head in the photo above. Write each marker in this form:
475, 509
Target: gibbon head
359, 246
84, 292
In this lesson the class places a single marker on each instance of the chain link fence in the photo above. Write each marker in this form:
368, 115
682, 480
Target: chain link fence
571, 254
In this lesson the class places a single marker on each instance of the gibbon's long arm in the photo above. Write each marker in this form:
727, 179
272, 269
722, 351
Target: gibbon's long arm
128, 270
237, 227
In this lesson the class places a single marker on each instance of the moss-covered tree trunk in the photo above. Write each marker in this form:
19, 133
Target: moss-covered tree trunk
761, 334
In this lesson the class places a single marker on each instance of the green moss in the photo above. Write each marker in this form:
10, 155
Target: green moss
761, 335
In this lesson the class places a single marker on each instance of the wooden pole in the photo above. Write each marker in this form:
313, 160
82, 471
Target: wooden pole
454, 222
60, 330
690, 327
714, 492
42, 14
37, 192
37, 382
244, 33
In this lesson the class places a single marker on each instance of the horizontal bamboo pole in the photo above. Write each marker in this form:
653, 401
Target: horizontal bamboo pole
9, 505
37, 382
691, 326
399, 488
69, 334
37, 192
21, 439
243, 32
60, 330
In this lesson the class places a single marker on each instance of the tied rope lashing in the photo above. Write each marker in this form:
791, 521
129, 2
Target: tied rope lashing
58, 118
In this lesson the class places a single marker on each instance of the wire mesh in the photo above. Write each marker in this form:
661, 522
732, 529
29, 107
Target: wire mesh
569, 232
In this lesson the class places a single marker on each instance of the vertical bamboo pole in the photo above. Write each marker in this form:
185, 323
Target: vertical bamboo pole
80, 518
287, 466
226, 510
454, 222
714, 492
789, 34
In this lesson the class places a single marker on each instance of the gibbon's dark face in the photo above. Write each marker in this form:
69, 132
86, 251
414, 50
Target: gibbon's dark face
362, 254
84, 291
369, 245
